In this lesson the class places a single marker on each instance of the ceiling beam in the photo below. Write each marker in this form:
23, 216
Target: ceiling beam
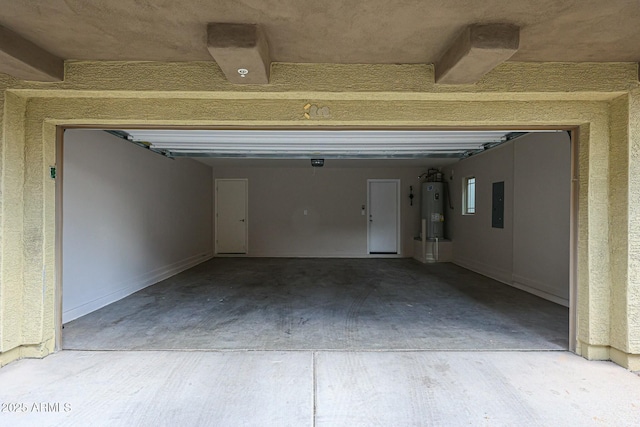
478, 50
24, 60
241, 51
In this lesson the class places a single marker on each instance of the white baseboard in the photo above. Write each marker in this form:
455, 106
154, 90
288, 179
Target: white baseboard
506, 277
498, 274
298, 255
539, 289
134, 285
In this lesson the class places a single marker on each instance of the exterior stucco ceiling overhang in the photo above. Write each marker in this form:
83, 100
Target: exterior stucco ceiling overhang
377, 31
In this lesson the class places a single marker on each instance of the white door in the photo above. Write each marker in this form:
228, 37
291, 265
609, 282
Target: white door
231, 216
384, 216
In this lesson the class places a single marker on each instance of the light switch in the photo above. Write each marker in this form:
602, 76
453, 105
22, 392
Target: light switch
305, 212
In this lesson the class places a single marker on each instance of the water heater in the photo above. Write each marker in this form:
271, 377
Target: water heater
432, 208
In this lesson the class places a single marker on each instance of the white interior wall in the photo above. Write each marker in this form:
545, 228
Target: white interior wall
130, 219
531, 252
333, 198
476, 245
542, 212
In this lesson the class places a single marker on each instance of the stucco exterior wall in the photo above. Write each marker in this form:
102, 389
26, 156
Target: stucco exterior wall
3, 85
582, 96
633, 279
12, 222
618, 220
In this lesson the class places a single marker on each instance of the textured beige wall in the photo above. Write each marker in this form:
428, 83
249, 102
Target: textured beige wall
624, 229
514, 95
618, 220
3, 85
12, 222
633, 290
511, 80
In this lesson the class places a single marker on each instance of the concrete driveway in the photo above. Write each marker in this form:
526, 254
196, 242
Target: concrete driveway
317, 388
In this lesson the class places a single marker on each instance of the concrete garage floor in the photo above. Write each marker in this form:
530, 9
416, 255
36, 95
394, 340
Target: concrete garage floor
328, 388
324, 304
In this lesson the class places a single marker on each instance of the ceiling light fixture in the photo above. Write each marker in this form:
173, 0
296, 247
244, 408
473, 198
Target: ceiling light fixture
243, 72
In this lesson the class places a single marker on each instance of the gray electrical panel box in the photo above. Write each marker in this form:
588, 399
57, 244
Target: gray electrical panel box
432, 208
497, 213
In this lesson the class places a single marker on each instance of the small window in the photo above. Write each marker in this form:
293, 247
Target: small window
469, 196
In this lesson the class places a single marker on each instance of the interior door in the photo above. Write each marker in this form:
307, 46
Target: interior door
384, 216
231, 216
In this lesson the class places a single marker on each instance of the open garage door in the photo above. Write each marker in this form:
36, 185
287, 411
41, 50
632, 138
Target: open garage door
308, 279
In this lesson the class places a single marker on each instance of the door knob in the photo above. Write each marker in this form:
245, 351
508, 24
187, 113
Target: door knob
242, 220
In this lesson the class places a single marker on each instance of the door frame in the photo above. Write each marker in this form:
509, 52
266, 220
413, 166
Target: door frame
246, 216
573, 239
398, 219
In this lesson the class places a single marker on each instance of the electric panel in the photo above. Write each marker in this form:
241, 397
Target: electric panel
497, 213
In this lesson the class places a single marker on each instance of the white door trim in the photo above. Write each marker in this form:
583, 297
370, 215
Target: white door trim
246, 214
398, 221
